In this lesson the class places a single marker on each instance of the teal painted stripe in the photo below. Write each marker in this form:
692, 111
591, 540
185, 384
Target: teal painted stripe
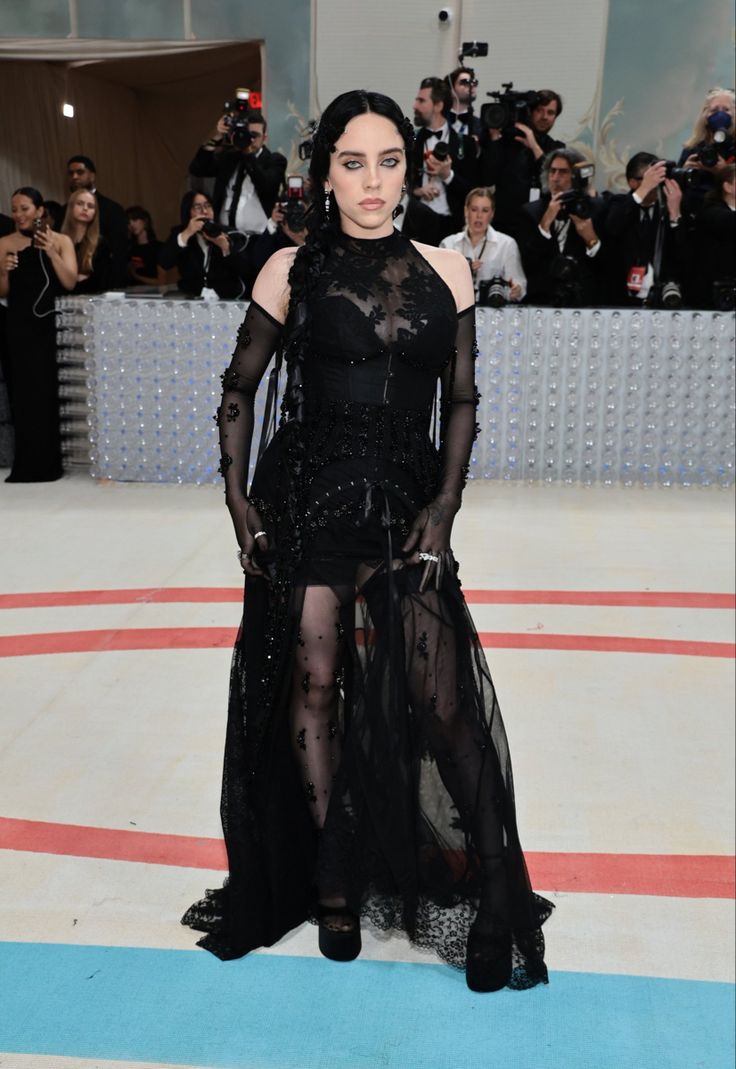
278, 1012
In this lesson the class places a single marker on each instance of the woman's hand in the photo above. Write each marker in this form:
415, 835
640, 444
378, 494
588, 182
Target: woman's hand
428, 542
9, 261
193, 227
252, 537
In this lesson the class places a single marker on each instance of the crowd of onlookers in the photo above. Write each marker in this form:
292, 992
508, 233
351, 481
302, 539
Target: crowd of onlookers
518, 204
494, 184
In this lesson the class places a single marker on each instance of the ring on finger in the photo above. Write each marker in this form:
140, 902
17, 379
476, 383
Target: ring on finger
260, 534
429, 557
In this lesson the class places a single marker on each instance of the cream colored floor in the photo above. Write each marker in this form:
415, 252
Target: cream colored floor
613, 752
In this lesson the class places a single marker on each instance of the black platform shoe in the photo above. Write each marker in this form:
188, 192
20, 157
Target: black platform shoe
488, 966
334, 943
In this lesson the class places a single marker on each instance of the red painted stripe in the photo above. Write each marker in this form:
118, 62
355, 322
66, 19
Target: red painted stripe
193, 638
666, 875
176, 595
133, 596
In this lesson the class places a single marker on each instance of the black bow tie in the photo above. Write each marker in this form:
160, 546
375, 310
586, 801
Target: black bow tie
426, 133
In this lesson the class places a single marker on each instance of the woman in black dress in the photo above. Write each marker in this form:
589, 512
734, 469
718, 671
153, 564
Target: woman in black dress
94, 258
37, 265
366, 768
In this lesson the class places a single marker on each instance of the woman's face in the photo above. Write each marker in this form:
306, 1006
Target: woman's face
720, 103
24, 211
84, 209
478, 215
367, 171
136, 227
201, 208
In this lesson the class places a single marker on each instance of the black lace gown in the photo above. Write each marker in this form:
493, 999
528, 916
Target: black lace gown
359, 704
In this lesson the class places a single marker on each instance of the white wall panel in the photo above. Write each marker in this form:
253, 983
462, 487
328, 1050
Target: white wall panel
389, 45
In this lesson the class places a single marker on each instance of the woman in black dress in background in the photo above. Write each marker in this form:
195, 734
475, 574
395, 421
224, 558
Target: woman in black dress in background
94, 258
366, 767
37, 265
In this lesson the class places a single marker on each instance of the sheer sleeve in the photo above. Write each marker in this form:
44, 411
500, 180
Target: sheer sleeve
258, 338
458, 428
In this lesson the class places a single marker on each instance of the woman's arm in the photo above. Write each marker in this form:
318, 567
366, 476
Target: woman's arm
8, 263
60, 251
258, 338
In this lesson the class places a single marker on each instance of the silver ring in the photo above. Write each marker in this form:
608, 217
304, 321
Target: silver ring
429, 556
242, 555
259, 533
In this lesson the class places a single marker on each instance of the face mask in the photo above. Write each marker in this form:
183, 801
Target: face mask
719, 122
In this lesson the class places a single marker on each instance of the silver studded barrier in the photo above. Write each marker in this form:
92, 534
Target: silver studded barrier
593, 396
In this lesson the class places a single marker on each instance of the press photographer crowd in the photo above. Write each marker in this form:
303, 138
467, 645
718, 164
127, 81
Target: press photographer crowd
495, 185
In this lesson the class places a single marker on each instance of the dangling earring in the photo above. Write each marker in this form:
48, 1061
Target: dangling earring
327, 204
399, 207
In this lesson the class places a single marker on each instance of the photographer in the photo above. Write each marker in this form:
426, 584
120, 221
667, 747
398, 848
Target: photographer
287, 226
511, 156
491, 256
715, 244
631, 225
210, 261
82, 174
444, 168
247, 175
710, 147
463, 87
558, 236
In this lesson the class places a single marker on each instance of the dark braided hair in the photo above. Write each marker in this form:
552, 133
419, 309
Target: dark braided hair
321, 228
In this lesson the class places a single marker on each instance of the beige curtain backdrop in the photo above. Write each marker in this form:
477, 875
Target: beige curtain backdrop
140, 118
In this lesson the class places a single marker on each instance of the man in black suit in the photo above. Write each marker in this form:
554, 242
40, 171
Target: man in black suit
247, 179
441, 180
561, 251
513, 163
653, 203
82, 174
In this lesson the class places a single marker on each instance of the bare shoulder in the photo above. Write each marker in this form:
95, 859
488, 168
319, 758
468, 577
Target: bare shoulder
63, 241
271, 288
453, 269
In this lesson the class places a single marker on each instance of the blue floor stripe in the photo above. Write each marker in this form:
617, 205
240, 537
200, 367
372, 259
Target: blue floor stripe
277, 1012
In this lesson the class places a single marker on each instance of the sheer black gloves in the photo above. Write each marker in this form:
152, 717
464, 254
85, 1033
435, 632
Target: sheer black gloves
428, 542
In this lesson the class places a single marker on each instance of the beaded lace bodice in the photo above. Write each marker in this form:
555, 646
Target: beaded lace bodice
383, 329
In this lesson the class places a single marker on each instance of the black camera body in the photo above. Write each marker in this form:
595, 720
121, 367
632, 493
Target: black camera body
211, 228
493, 292
237, 116
509, 108
577, 201
682, 175
294, 205
710, 155
441, 151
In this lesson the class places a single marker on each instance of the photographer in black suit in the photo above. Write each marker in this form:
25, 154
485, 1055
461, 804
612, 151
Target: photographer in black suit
444, 167
247, 175
632, 221
512, 160
82, 174
561, 246
210, 260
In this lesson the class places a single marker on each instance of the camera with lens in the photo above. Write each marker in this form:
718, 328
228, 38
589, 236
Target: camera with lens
441, 151
294, 204
211, 228
710, 155
493, 292
665, 295
238, 116
577, 201
509, 107
681, 175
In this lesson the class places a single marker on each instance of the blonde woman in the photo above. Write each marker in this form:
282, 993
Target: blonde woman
490, 253
710, 147
94, 260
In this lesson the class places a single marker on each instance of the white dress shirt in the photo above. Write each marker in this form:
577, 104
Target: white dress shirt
498, 254
250, 217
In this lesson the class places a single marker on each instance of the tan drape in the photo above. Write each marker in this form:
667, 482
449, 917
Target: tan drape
140, 119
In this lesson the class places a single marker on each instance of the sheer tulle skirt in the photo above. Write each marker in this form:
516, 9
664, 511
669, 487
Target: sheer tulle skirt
365, 757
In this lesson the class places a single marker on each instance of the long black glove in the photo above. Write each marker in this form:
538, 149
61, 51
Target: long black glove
431, 531
258, 339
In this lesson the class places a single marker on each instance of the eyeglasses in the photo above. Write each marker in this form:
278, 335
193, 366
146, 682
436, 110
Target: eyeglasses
467, 81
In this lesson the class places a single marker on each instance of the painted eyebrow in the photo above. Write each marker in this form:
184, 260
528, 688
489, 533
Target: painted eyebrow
383, 152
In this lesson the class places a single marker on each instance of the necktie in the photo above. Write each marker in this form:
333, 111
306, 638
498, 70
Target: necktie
237, 189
